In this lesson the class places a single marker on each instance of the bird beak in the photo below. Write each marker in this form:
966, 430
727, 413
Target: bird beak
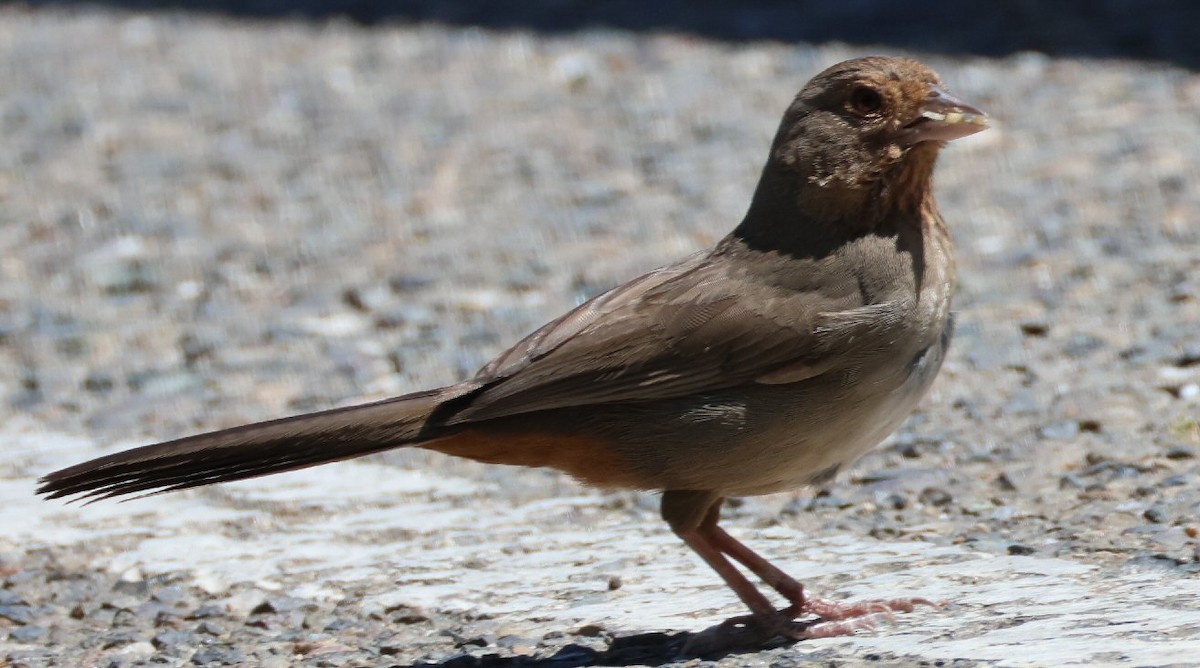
943, 117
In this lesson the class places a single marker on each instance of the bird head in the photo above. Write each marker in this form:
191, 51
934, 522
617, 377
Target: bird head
864, 134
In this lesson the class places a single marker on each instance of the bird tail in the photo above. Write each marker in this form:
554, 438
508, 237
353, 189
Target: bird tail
254, 450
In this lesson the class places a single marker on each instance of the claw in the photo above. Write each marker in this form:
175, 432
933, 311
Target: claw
830, 610
833, 619
755, 630
845, 627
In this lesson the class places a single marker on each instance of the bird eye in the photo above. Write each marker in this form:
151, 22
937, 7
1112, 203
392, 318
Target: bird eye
866, 101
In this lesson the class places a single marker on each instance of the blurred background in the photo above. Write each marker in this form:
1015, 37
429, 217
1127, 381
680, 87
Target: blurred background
1158, 29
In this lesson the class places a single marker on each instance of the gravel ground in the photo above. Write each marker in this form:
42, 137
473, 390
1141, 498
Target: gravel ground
207, 222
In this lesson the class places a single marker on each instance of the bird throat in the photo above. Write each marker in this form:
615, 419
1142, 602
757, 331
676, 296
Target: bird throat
805, 217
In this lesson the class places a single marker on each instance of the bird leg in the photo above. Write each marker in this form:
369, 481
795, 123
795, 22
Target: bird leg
699, 530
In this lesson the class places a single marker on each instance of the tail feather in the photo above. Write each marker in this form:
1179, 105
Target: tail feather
252, 450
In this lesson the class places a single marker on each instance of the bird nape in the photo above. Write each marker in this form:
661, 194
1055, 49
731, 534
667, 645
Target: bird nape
767, 363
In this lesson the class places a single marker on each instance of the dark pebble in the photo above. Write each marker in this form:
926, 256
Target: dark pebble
474, 641
935, 496
589, 630
892, 500
883, 532
1035, 328
353, 297
827, 501
1180, 452
170, 639
166, 618
98, 382
1154, 561
281, 604
1189, 358
405, 614
1114, 469
119, 639
1134, 353
1020, 550
407, 283
207, 611
210, 628
124, 617
197, 346
1156, 514
225, 656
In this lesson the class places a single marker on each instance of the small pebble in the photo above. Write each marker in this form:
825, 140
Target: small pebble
281, 604
206, 611
1156, 514
169, 639
19, 614
28, 634
1035, 328
223, 655
935, 496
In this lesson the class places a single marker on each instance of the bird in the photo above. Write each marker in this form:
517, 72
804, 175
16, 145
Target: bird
763, 364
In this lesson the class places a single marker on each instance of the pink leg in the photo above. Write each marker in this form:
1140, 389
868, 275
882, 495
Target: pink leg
694, 517
793, 591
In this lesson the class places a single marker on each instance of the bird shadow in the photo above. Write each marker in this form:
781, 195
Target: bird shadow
637, 649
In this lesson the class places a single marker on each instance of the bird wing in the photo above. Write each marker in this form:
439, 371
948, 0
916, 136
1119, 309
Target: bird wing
695, 327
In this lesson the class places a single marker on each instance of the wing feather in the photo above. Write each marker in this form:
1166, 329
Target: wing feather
690, 328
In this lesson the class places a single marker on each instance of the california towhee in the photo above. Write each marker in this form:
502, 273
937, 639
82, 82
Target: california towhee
769, 362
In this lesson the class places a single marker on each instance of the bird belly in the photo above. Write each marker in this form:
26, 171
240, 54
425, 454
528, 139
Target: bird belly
818, 436
768, 439
748, 440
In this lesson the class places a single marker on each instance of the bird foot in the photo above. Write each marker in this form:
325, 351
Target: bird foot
833, 619
830, 610
754, 631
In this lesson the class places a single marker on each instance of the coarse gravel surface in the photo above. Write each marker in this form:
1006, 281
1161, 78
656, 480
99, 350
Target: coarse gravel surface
205, 222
